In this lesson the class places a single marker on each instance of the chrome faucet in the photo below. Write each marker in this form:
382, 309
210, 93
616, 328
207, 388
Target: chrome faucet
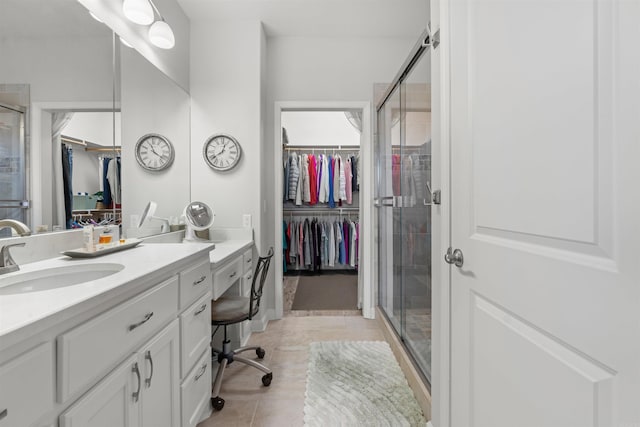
19, 227
7, 264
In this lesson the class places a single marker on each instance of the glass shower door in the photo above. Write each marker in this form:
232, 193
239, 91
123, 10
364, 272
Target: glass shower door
416, 212
403, 200
13, 203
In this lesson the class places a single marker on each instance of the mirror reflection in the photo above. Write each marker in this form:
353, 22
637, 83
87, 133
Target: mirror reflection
60, 126
57, 67
156, 112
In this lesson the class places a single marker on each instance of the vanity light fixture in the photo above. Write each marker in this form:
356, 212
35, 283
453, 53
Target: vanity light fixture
125, 43
144, 12
138, 11
95, 17
161, 35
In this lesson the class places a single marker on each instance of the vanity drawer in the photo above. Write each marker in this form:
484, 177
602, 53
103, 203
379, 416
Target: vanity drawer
248, 260
89, 351
196, 391
31, 391
247, 280
194, 282
226, 276
195, 332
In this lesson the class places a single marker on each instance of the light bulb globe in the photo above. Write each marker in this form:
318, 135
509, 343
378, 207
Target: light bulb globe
161, 35
138, 11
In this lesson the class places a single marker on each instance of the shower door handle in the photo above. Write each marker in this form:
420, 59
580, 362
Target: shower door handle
382, 202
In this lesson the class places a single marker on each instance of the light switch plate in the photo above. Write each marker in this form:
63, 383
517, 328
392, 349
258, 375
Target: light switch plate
246, 220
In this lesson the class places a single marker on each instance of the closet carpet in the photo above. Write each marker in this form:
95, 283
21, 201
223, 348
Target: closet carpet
327, 292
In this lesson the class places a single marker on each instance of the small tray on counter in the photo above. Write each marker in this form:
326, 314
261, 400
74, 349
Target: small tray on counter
84, 253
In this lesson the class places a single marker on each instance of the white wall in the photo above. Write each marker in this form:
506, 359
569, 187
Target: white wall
319, 128
59, 69
322, 69
226, 98
95, 127
152, 103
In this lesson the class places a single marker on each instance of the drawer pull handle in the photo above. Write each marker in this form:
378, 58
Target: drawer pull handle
232, 275
200, 280
148, 357
201, 309
143, 321
200, 373
136, 394
249, 260
4, 413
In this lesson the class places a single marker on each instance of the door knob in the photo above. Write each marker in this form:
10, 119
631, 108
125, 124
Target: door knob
454, 257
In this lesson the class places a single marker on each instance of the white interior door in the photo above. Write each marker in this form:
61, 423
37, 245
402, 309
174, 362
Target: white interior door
545, 106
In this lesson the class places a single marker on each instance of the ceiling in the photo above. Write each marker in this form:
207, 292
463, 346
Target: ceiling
309, 18
318, 18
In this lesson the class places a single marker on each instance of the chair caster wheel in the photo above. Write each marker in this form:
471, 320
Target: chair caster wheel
217, 403
260, 352
266, 379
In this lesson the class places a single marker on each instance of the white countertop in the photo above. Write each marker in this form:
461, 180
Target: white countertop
146, 261
227, 248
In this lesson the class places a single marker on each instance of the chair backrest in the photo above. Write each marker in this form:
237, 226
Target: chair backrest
257, 285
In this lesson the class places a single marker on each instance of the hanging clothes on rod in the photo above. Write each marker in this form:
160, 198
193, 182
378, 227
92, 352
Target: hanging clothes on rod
311, 178
314, 244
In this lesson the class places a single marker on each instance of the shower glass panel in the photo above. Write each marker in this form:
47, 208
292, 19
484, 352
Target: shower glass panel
403, 200
12, 166
416, 212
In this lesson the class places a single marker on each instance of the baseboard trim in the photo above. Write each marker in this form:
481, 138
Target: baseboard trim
259, 324
420, 391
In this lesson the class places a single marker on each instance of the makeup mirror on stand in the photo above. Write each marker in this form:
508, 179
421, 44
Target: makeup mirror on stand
149, 214
198, 217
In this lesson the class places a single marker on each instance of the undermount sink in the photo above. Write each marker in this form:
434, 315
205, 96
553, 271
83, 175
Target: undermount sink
58, 277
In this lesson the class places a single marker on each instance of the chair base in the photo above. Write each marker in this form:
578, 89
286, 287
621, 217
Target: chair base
227, 356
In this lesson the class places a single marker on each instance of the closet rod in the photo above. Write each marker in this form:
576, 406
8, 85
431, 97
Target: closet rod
320, 210
322, 147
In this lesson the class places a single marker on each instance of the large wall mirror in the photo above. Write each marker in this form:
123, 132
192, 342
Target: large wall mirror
58, 117
73, 103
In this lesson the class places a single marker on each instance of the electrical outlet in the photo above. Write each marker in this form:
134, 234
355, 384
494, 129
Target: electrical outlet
246, 220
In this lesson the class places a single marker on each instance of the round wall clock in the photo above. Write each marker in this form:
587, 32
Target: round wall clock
154, 152
222, 152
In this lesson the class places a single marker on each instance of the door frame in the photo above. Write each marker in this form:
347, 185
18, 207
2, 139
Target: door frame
441, 271
367, 262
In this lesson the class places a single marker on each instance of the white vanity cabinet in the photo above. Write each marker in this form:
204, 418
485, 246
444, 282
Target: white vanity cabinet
87, 352
27, 387
142, 391
122, 351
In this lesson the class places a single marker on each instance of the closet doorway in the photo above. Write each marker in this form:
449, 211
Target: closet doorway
323, 157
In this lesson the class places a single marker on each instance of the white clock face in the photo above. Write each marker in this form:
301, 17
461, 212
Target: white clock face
222, 152
154, 152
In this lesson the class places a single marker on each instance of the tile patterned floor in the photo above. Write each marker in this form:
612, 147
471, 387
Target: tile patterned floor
286, 342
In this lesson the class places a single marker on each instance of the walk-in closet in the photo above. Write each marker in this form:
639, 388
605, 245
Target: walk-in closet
321, 175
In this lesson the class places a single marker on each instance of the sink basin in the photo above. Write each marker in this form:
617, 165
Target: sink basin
58, 277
